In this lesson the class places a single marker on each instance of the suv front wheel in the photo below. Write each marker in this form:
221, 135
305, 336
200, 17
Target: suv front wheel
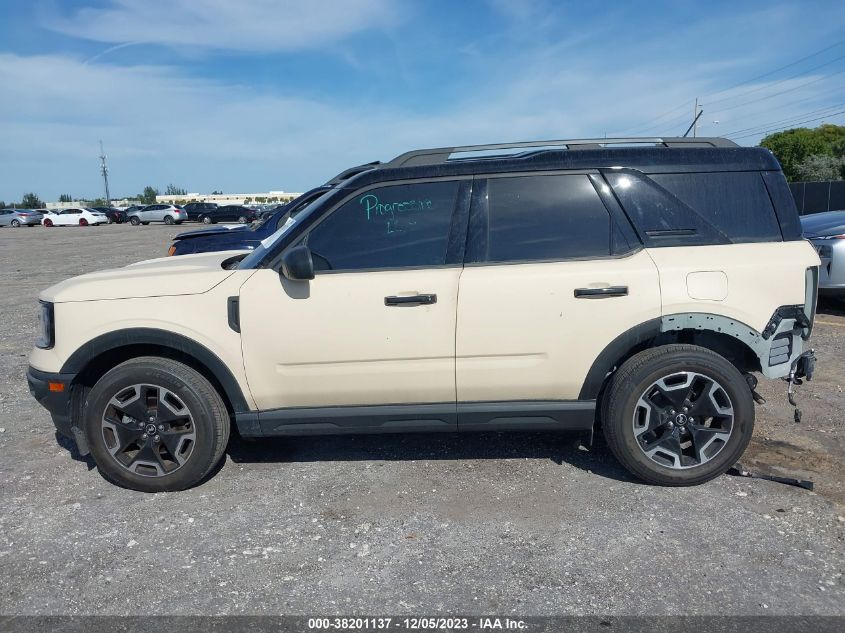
678, 415
154, 425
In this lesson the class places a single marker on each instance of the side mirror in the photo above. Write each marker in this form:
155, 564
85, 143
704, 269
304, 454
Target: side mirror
297, 264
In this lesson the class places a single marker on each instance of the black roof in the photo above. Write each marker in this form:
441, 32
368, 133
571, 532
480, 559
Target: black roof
649, 155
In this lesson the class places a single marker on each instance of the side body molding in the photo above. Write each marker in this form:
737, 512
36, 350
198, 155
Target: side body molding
164, 339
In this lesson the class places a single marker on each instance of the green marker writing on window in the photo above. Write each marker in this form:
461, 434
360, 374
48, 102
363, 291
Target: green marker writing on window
374, 208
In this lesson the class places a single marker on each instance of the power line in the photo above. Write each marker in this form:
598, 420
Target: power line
793, 89
650, 124
824, 94
772, 72
780, 81
657, 121
786, 120
777, 129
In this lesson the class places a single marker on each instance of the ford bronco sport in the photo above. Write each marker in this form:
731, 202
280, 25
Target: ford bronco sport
632, 285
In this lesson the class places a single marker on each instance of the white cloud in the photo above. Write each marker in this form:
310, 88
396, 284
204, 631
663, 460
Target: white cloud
242, 25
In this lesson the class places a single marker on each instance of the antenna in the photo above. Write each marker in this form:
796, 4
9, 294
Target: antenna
105, 171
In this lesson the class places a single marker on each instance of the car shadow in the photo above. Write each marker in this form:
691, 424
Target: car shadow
830, 306
69, 445
560, 448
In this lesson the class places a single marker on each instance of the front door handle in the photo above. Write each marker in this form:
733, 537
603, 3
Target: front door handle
598, 293
413, 300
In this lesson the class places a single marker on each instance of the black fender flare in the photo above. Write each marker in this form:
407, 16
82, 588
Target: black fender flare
110, 341
610, 355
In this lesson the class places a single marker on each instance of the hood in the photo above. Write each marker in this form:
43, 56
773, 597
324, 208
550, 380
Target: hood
827, 223
188, 235
167, 276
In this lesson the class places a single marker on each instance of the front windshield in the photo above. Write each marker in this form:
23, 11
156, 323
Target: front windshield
268, 214
266, 244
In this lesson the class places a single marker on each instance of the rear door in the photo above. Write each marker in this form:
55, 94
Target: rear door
551, 278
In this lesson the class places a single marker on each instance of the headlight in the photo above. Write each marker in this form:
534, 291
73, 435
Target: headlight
48, 326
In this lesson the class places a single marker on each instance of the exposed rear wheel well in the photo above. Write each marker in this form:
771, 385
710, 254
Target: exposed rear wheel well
732, 349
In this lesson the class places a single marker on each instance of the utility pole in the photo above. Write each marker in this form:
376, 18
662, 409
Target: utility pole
695, 119
696, 116
105, 171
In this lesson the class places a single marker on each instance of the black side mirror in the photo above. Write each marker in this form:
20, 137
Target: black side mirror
297, 264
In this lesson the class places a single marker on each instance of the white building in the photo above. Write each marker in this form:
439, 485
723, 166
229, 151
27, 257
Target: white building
230, 198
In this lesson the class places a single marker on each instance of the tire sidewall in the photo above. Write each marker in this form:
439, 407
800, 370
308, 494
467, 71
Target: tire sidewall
120, 378
621, 412
134, 221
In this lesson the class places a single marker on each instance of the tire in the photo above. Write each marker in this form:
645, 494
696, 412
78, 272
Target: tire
48, 222
206, 220
83, 222
168, 219
16, 223
167, 457
658, 440
135, 221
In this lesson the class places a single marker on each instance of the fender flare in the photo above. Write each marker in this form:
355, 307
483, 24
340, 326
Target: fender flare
759, 344
117, 339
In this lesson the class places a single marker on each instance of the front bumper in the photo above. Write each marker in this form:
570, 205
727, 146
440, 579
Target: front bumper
56, 402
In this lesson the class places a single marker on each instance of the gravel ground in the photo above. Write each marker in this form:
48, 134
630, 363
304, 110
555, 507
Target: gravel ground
523, 524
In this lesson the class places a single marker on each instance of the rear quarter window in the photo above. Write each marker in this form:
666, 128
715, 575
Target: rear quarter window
736, 203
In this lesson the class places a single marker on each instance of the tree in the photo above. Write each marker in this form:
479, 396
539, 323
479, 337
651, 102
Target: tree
173, 190
216, 193
149, 195
821, 167
31, 201
793, 147
65, 197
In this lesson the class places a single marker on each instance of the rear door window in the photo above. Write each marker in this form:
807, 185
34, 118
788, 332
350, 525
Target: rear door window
536, 218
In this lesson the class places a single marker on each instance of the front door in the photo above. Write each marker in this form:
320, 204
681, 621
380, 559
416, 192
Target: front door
549, 283
375, 327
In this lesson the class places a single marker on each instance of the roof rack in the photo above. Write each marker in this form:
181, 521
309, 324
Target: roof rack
439, 155
346, 174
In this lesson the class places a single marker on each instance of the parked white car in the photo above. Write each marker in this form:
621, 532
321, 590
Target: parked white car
74, 216
167, 213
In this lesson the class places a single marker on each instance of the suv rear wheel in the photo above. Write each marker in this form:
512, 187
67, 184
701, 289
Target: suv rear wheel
155, 425
678, 415
168, 219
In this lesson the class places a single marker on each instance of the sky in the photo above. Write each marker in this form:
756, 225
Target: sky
260, 95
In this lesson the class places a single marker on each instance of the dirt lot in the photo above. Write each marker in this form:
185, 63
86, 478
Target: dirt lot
512, 524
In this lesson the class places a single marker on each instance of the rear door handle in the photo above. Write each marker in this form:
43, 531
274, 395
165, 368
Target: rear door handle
598, 293
411, 301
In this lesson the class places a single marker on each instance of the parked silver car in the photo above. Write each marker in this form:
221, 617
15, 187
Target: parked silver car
20, 217
167, 213
826, 231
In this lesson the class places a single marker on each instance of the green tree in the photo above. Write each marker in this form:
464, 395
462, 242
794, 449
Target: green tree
216, 193
65, 197
31, 201
821, 167
173, 190
793, 147
149, 195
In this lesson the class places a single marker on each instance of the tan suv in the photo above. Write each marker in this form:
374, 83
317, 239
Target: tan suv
637, 285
